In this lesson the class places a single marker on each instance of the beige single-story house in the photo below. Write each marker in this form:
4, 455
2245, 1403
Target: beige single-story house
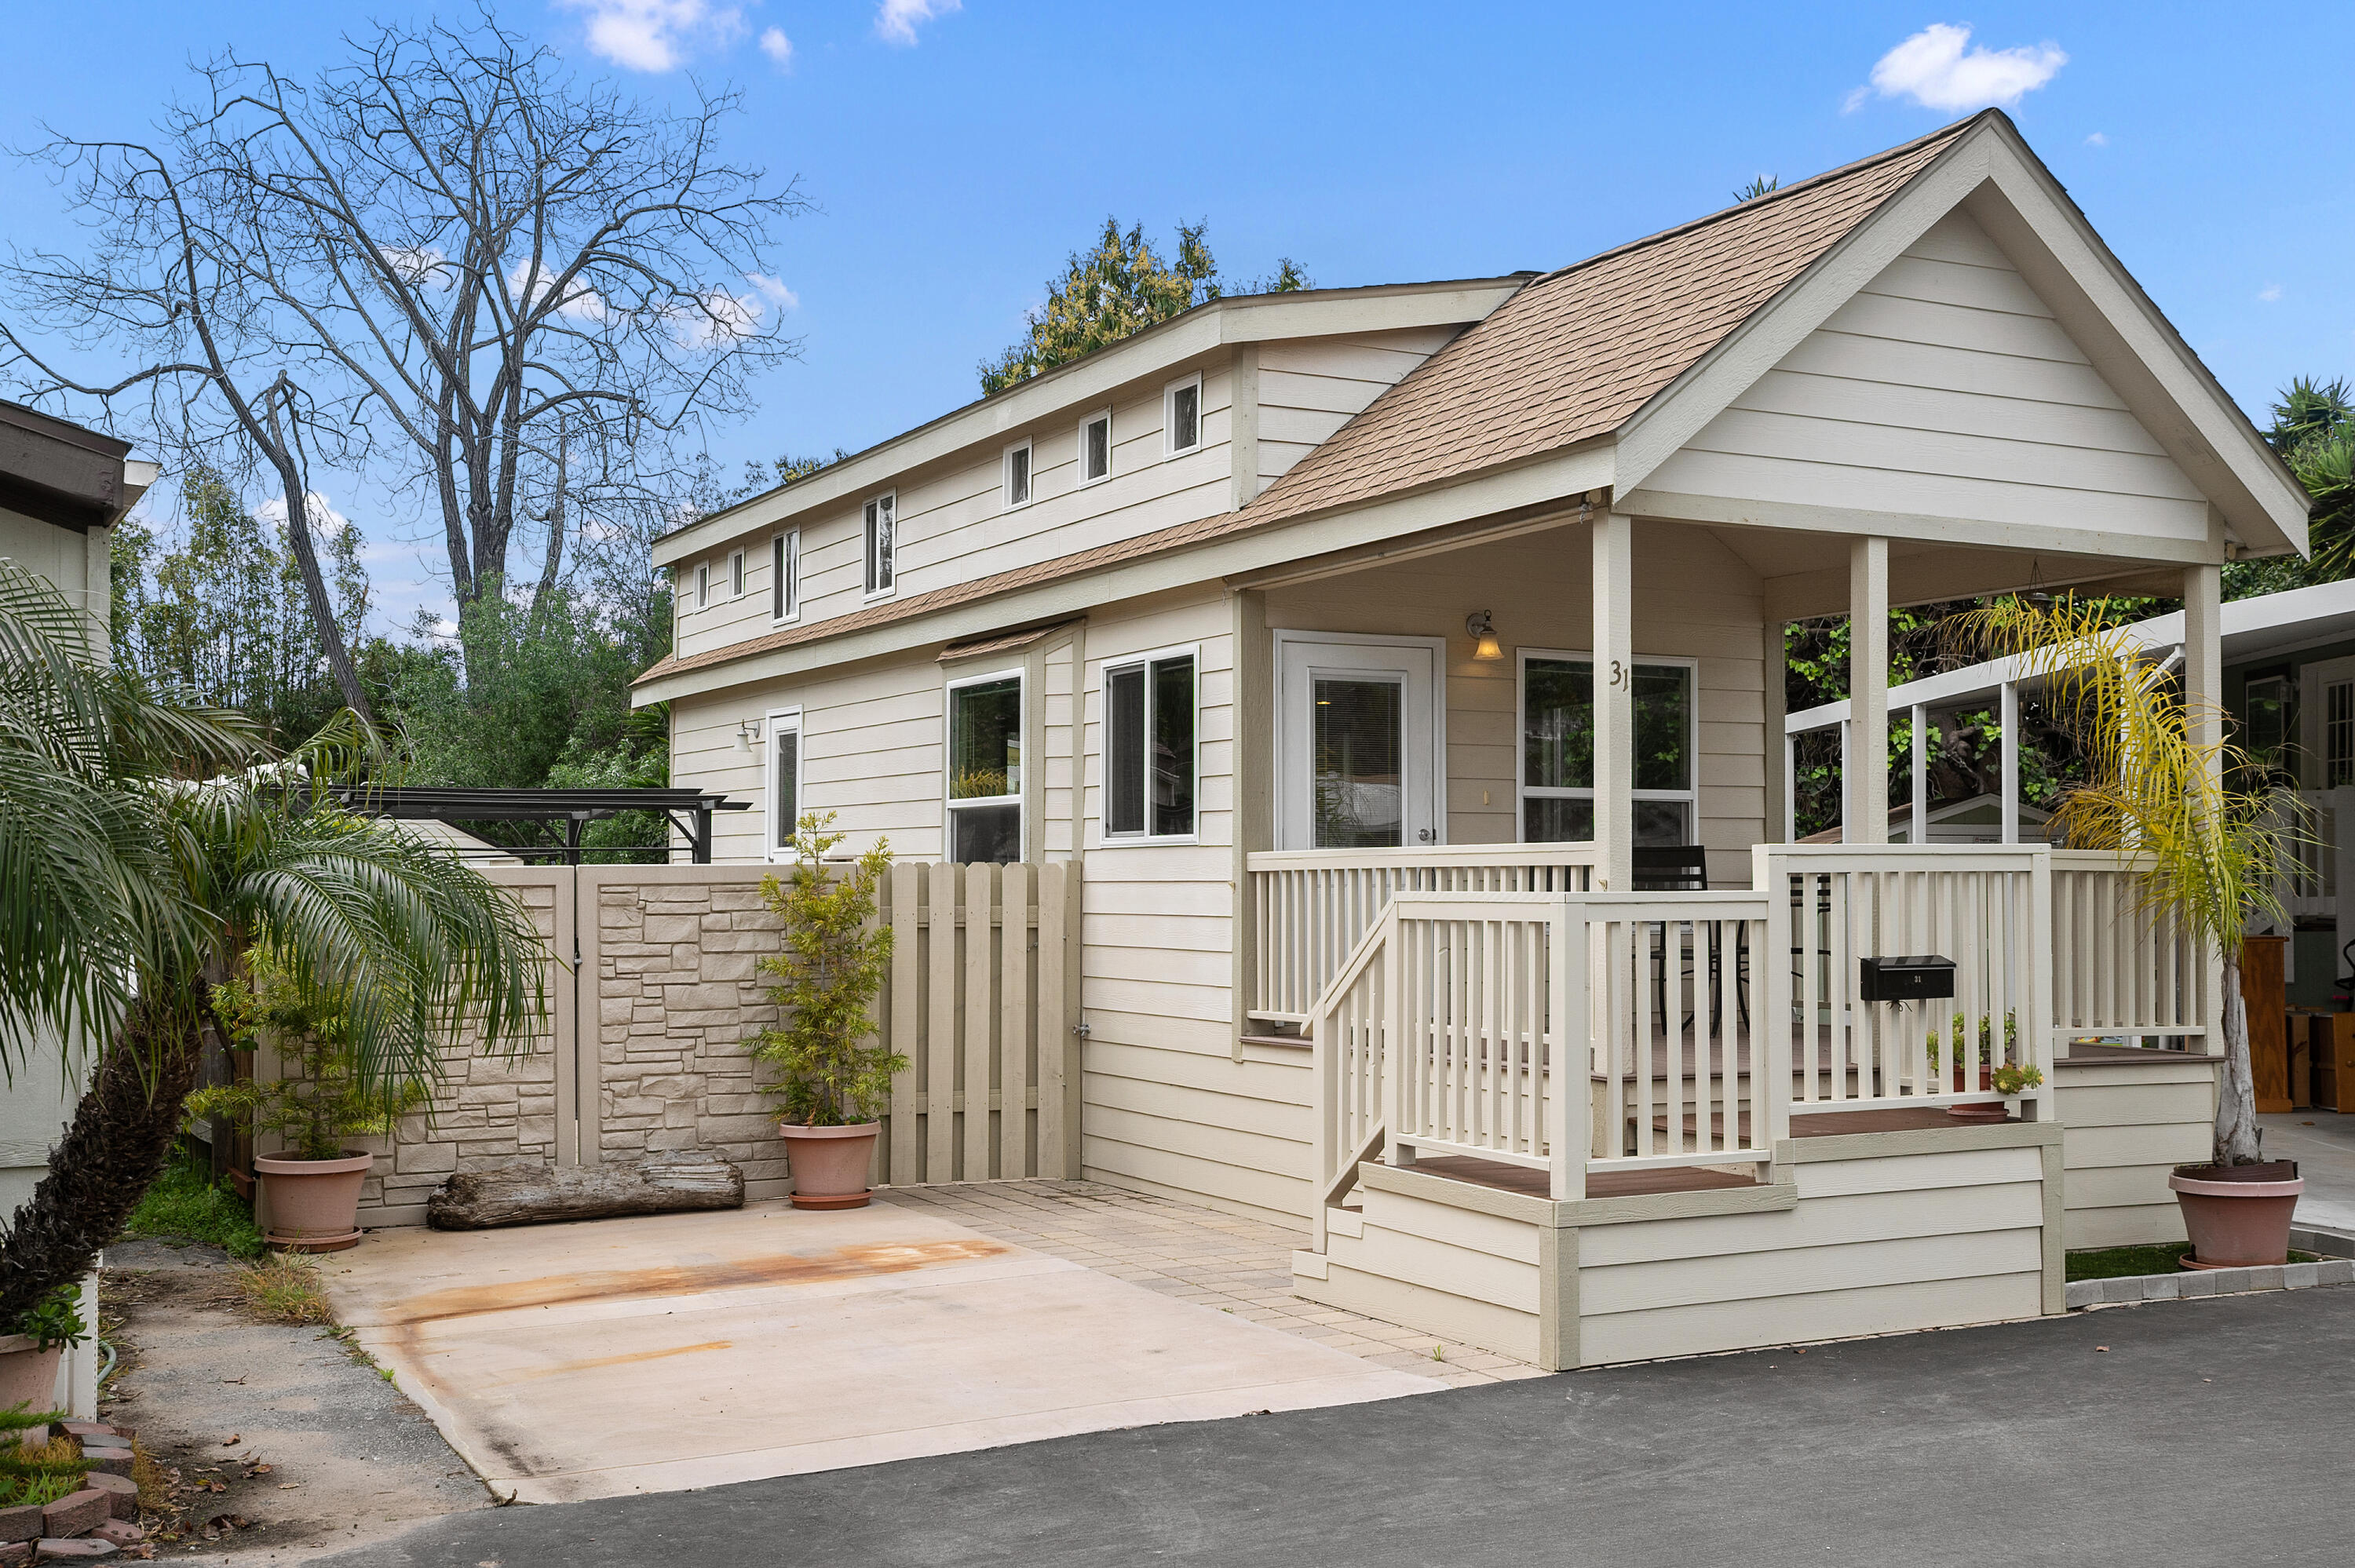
1403, 667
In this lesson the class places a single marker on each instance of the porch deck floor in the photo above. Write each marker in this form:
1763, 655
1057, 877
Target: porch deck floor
1688, 1178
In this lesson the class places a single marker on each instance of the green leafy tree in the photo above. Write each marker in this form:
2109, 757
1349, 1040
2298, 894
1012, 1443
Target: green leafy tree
221, 613
1117, 288
146, 842
835, 958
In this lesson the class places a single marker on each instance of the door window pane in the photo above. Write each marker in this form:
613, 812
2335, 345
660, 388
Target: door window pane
1124, 750
1173, 746
985, 739
1360, 743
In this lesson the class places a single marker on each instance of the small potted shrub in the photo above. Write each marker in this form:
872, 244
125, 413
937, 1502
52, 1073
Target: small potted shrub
33, 1345
1993, 1075
313, 1183
832, 1083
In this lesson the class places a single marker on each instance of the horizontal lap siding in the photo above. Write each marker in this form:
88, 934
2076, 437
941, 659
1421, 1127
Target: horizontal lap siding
1167, 1109
1943, 388
1693, 597
2124, 1130
1873, 1246
1310, 388
1450, 1272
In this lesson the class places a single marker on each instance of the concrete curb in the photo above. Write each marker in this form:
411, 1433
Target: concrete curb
2189, 1283
2323, 1240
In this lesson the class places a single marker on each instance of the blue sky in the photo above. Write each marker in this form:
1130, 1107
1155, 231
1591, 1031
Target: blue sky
956, 154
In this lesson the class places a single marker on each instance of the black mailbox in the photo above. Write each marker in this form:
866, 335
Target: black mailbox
1914, 978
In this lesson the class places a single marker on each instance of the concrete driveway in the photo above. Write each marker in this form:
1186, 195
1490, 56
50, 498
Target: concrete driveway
2323, 1144
2191, 1432
622, 1356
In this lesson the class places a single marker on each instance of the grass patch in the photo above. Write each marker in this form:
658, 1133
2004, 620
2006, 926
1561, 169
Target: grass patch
20, 1491
186, 1204
283, 1287
2119, 1262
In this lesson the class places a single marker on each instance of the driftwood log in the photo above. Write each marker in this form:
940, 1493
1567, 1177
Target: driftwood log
530, 1195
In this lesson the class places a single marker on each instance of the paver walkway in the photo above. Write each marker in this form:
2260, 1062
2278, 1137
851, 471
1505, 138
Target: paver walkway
1238, 1265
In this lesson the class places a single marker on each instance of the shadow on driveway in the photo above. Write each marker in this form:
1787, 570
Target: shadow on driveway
2206, 1432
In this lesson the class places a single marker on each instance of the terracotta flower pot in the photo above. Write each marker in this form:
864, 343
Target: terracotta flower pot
2237, 1216
828, 1164
28, 1374
1979, 1110
313, 1203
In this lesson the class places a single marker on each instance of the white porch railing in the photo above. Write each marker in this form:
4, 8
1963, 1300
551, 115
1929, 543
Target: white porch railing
2121, 969
1711, 1020
1310, 908
1985, 906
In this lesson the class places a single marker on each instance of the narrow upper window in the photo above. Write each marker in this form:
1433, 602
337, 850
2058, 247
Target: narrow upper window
784, 780
736, 575
1017, 476
785, 575
984, 768
1149, 746
702, 584
880, 577
1095, 448
1181, 415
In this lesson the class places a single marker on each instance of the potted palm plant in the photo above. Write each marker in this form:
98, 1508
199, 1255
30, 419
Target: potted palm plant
831, 1082
2206, 829
316, 1103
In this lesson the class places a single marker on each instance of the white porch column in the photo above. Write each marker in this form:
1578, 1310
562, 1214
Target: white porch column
1868, 692
2009, 725
1614, 701
2203, 653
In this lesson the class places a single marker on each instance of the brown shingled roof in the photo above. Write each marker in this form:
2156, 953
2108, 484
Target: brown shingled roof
1576, 353
1569, 357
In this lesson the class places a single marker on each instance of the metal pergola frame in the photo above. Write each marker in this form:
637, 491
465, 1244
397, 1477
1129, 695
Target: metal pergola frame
688, 811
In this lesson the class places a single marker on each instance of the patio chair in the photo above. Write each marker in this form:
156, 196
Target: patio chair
1684, 868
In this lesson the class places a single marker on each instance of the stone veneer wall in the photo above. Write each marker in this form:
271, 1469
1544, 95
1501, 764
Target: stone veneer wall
678, 997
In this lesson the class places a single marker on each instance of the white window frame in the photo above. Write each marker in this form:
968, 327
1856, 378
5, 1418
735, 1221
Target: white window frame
736, 574
780, 719
1523, 792
785, 580
703, 584
868, 513
949, 808
1005, 476
1169, 416
1100, 417
1146, 661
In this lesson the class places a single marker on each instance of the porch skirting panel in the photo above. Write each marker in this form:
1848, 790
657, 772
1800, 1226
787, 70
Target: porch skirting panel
1858, 1234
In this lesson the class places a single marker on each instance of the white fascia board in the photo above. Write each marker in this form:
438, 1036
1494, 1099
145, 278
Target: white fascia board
1679, 411
1564, 479
1089, 383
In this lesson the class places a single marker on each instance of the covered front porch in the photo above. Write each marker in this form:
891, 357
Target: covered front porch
1472, 873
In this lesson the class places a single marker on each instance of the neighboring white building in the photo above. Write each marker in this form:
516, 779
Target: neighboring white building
62, 490
1293, 603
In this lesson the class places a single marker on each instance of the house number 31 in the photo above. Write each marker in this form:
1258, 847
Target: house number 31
1618, 673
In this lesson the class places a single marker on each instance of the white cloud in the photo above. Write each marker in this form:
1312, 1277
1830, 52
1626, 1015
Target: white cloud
417, 264
326, 520
1935, 69
777, 47
895, 20
2270, 292
583, 305
773, 290
2098, 140
724, 317
656, 34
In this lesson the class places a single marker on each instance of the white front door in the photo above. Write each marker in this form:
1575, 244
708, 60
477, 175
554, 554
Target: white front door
1358, 731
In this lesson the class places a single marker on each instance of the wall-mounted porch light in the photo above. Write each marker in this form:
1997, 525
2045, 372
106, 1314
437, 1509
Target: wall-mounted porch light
748, 734
1483, 633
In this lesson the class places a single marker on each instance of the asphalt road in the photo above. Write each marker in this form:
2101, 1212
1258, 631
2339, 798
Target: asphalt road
2206, 1432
